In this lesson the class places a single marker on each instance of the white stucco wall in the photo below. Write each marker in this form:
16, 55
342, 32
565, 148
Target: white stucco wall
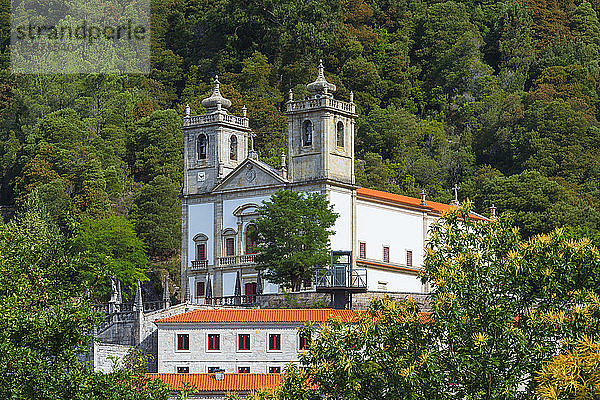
200, 220
392, 281
229, 206
342, 204
198, 358
381, 225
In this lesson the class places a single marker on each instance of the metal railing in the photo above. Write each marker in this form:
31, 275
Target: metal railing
242, 300
341, 277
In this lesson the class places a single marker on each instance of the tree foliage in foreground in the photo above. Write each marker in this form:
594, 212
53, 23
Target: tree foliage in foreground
502, 307
292, 234
48, 321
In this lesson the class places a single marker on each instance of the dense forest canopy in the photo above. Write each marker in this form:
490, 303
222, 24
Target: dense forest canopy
499, 97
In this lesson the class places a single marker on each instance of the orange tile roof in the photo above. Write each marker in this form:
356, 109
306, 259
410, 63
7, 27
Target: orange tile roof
208, 383
409, 201
259, 315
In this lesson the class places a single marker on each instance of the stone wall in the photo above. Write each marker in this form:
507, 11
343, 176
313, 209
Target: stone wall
107, 356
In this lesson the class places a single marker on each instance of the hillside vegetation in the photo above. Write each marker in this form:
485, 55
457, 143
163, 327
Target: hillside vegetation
501, 98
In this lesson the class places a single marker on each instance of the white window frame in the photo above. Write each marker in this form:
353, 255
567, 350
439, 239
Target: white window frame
237, 341
220, 342
189, 350
280, 342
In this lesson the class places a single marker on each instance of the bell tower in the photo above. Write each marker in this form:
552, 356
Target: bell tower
214, 143
321, 134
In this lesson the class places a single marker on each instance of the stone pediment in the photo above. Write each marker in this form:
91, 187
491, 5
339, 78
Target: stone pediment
250, 173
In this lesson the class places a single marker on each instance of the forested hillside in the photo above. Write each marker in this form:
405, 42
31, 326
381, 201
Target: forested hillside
501, 98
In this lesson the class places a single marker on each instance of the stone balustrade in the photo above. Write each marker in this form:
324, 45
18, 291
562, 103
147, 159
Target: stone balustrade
309, 104
219, 116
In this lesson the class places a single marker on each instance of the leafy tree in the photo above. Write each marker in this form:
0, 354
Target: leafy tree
156, 216
499, 307
47, 319
292, 234
113, 246
572, 375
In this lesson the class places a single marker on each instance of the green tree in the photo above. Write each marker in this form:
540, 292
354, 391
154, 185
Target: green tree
113, 246
156, 216
48, 320
292, 233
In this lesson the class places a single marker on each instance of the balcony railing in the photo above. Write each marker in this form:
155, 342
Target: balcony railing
240, 259
199, 264
341, 277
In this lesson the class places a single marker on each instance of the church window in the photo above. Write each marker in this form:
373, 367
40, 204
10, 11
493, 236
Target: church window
386, 254
307, 135
340, 134
409, 258
229, 247
201, 251
362, 250
250, 239
200, 289
233, 148
202, 146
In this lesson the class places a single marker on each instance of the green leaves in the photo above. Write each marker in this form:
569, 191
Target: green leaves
293, 236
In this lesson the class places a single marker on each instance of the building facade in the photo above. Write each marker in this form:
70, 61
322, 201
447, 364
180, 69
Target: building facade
225, 183
252, 341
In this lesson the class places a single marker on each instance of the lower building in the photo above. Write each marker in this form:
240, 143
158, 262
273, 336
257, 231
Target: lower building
247, 341
216, 386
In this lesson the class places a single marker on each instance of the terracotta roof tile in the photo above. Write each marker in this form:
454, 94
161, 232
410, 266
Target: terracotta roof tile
409, 201
258, 315
208, 383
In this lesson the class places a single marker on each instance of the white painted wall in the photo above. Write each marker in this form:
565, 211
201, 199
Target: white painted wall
400, 229
392, 281
342, 204
229, 206
200, 220
229, 283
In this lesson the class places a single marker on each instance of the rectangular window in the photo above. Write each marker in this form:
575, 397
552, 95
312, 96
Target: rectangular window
201, 251
229, 247
212, 370
386, 254
307, 283
183, 370
243, 370
274, 341
409, 258
274, 370
214, 342
362, 250
183, 341
244, 341
303, 343
199, 289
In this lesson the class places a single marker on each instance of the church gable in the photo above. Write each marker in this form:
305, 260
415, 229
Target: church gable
250, 174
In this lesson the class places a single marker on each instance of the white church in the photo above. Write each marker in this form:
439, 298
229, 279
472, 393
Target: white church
225, 183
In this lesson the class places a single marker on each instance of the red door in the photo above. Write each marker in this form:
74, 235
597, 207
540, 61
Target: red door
250, 292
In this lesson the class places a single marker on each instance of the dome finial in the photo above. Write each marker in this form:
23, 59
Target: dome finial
216, 100
321, 85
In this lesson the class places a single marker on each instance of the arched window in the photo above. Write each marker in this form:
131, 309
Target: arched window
202, 146
307, 133
340, 134
233, 148
250, 239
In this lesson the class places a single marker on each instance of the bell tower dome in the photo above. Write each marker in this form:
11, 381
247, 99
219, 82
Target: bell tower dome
214, 143
321, 134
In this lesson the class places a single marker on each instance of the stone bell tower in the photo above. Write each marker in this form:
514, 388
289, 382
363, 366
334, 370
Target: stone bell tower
214, 143
321, 134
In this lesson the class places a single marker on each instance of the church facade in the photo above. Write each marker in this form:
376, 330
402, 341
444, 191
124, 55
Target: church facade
225, 183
